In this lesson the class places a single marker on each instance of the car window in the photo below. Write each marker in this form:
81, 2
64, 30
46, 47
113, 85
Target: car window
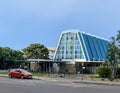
16, 70
23, 70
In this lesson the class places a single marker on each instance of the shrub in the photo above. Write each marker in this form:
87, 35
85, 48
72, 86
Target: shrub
118, 72
104, 72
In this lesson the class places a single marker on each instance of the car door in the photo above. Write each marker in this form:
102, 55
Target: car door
17, 73
14, 73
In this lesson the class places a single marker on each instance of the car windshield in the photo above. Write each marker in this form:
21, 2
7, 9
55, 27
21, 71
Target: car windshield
22, 70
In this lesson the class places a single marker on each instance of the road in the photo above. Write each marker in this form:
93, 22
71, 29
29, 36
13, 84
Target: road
39, 86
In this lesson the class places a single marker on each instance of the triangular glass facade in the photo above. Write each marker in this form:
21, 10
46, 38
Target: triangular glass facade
69, 47
78, 45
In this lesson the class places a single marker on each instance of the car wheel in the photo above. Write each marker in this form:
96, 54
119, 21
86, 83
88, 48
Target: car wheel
22, 77
10, 76
30, 77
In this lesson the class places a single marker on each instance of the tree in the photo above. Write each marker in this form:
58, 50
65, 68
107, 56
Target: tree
118, 38
9, 56
17, 55
118, 44
112, 56
35, 51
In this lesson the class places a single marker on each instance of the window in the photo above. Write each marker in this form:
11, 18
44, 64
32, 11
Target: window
71, 38
76, 37
62, 47
66, 52
75, 51
75, 56
71, 52
67, 38
62, 56
62, 52
71, 47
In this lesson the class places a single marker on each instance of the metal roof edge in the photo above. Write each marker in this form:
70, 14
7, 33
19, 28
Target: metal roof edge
83, 32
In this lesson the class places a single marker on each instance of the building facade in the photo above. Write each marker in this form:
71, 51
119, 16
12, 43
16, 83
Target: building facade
51, 52
79, 49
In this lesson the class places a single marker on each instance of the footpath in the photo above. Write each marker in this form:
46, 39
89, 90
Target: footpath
98, 81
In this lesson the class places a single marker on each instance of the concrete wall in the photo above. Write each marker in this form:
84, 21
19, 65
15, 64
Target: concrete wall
34, 66
92, 69
68, 68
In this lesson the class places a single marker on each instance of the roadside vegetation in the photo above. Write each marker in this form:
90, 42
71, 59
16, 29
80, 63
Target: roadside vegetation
113, 57
10, 58
104, 71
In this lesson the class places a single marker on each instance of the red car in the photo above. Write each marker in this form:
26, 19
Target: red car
20, 73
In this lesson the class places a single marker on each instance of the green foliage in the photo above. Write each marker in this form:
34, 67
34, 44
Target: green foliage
35, 51
118, 72
112, 56
104, 72
112, 52
9, 56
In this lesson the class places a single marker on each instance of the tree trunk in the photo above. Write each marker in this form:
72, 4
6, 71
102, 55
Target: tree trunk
113, 75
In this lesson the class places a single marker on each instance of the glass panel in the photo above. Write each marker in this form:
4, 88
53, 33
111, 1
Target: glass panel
68, 44
98, 49
105, 48
92, 47
101, 48
87, 46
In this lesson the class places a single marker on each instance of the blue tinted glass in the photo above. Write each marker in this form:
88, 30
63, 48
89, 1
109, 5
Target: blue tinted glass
105, 44
87, 46
83, 45
93, 49
69, 43
102, 49
97, 48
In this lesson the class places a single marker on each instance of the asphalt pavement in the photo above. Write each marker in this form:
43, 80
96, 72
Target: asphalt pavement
96, 81
14, 85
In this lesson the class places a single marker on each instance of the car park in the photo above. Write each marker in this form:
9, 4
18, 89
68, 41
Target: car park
19, 73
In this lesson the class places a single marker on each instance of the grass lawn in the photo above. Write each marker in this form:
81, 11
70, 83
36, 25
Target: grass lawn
53, 74
40, 74
3, 72
93, 75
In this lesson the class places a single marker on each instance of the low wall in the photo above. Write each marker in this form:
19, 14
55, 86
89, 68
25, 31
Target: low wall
68, 68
